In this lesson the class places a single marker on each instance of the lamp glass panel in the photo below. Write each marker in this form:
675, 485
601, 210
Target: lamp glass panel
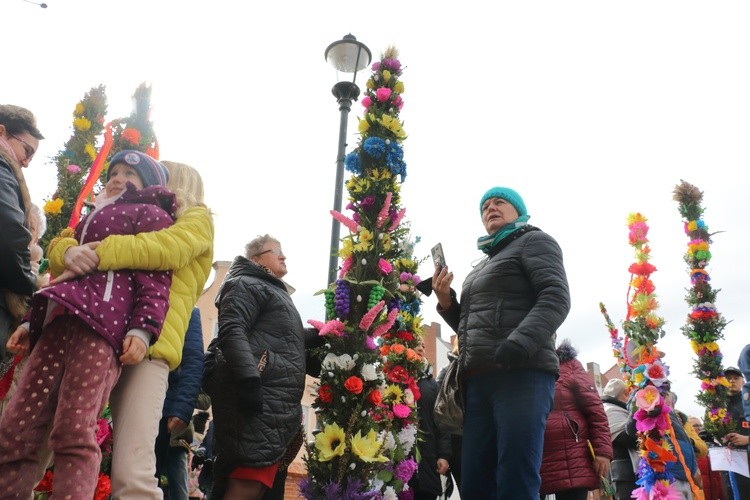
343, 57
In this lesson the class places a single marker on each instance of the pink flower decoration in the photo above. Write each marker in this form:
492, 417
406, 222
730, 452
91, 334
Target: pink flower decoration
318, 325
401, 410
366, 322
397, 219
73, 169
370, 343
380, 330
385, 267
648, 398
416, 279
383, 214
383, 94
398, 102
638, 233
346, 266
645, 423
366, 101
350, 224
659, 491
333, 327
404, 277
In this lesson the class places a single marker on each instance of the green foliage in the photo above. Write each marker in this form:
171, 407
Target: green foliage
79, 151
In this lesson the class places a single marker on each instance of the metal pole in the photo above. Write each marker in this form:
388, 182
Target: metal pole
345, 93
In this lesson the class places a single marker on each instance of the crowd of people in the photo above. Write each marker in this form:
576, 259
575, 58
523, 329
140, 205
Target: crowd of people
118, 327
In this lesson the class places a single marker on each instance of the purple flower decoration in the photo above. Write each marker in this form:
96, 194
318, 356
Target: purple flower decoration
406, 469
342, 298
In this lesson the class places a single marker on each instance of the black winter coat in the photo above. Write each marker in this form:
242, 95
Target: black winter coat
256, 314
15, 259
519, 293
432, 444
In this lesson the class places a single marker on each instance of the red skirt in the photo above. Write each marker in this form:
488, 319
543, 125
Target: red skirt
263, 475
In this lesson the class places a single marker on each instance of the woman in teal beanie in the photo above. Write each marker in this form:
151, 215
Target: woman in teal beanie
511, 304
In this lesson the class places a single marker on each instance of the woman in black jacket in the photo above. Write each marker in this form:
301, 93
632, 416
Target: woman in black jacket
511, 304
257, 381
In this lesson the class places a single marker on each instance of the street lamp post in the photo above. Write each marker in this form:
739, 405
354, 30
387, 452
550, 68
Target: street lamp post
347, 56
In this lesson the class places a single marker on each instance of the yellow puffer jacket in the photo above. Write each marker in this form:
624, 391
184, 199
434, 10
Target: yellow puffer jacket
186, 248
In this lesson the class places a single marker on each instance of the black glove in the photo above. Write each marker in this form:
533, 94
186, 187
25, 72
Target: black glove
510, 353
199, 457
250, 396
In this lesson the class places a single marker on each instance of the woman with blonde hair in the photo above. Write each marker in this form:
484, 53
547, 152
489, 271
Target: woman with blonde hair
186, 248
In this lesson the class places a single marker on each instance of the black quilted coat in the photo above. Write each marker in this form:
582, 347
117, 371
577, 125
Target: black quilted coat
256, 314
521, 293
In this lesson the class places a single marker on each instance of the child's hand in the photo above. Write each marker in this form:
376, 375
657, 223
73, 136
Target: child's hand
18, 342
133, 350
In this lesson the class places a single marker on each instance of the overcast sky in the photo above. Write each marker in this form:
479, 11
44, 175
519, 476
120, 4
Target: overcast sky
590, 110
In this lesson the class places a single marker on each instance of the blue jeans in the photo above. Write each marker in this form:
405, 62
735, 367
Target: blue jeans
171, 461
177, 477
505, 416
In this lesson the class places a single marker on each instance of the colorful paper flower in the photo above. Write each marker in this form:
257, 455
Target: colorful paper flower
331, 442
367, 448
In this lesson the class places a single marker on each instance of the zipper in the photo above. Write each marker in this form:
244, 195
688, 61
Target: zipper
108, 289
572, 425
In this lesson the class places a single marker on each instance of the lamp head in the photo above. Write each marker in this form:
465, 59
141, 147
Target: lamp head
348, 55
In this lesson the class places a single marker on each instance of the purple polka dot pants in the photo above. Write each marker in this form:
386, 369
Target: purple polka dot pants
66, 383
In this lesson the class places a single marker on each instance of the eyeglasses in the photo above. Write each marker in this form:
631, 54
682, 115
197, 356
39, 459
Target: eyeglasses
277, 253
27, 148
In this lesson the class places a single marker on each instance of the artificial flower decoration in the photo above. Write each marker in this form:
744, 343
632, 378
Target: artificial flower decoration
648, 398
130, 137
330, 443
74, 161
368, 447
82, 123
54, 206
657, 455
367, 390
704, 324
643, 363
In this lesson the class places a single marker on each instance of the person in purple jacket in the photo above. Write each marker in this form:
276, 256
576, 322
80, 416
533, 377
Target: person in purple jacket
81, 332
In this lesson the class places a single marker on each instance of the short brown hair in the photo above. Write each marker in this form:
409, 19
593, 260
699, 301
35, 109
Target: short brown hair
18, 120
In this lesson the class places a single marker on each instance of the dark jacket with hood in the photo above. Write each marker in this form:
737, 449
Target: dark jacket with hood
520, 294
17, 282
256, 316
577, 417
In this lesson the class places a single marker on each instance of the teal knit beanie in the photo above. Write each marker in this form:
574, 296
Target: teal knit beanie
506, 194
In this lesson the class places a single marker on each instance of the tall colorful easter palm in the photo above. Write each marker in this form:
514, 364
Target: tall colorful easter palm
74, 161
366, 396
704, 323
649, 374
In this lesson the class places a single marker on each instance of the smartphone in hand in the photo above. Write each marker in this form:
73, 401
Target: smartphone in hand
438, 257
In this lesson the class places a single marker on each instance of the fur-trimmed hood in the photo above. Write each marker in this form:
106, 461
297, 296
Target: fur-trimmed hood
565, 351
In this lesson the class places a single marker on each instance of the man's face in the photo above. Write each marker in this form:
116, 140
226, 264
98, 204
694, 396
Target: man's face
736, 382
